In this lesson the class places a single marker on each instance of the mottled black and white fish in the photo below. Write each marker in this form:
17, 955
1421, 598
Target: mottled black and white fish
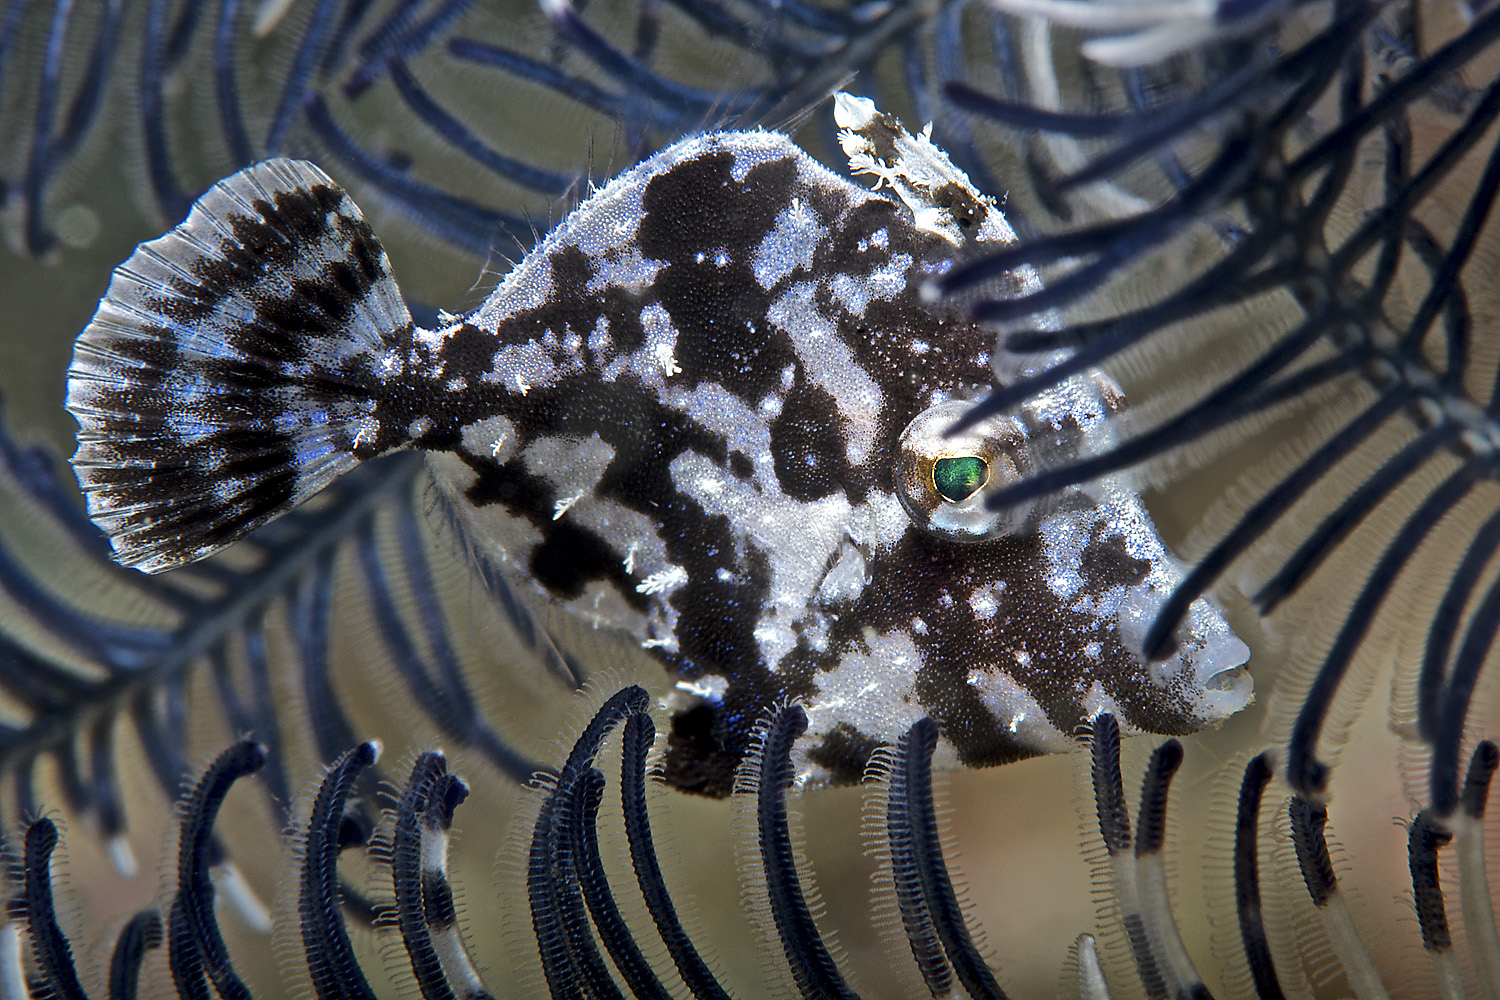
709, 411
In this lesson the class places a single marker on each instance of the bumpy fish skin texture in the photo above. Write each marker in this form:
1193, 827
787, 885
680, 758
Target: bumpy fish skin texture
709, 411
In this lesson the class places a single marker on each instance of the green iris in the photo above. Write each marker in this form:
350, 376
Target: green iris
956, 479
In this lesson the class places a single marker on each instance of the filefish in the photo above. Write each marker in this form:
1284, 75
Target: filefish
711, 410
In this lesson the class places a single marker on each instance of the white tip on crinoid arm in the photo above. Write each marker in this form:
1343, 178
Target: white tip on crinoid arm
1150, 32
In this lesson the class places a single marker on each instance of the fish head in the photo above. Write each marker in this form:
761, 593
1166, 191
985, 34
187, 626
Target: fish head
903, 592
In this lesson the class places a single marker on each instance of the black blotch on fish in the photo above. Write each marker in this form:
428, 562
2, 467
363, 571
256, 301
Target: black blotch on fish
698, 208
273, 240
844, 753
572, 269
807, 446
1049, 666
1106, 563
710, 741
695, 760
570, 557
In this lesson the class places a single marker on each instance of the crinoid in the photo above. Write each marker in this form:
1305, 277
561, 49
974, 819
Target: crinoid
1271, 221
584, 945
1327, 235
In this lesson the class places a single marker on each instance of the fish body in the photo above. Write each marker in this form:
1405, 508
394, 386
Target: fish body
710, 411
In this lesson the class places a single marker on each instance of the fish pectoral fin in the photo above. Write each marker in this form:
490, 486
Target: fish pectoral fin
535, 637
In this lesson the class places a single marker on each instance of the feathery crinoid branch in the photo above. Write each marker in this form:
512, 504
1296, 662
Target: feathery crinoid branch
379, 92
1283, 239
1306, 190
262, 642
588, 929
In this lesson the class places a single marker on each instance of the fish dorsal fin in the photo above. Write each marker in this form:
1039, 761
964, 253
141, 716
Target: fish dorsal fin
232, 368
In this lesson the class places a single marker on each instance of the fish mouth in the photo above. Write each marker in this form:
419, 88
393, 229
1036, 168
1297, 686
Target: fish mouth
1207, 671
1211, 666
1225, 689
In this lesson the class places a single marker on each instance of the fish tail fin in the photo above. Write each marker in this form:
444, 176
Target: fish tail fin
234, 366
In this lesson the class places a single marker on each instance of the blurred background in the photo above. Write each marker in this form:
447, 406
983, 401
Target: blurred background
463, 130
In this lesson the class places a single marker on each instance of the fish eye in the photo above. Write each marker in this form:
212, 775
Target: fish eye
956, 479
944, 481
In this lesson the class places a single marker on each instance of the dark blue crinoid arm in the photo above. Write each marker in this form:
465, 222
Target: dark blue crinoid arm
214, 623
1330, 237
300, 81
1299, 223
